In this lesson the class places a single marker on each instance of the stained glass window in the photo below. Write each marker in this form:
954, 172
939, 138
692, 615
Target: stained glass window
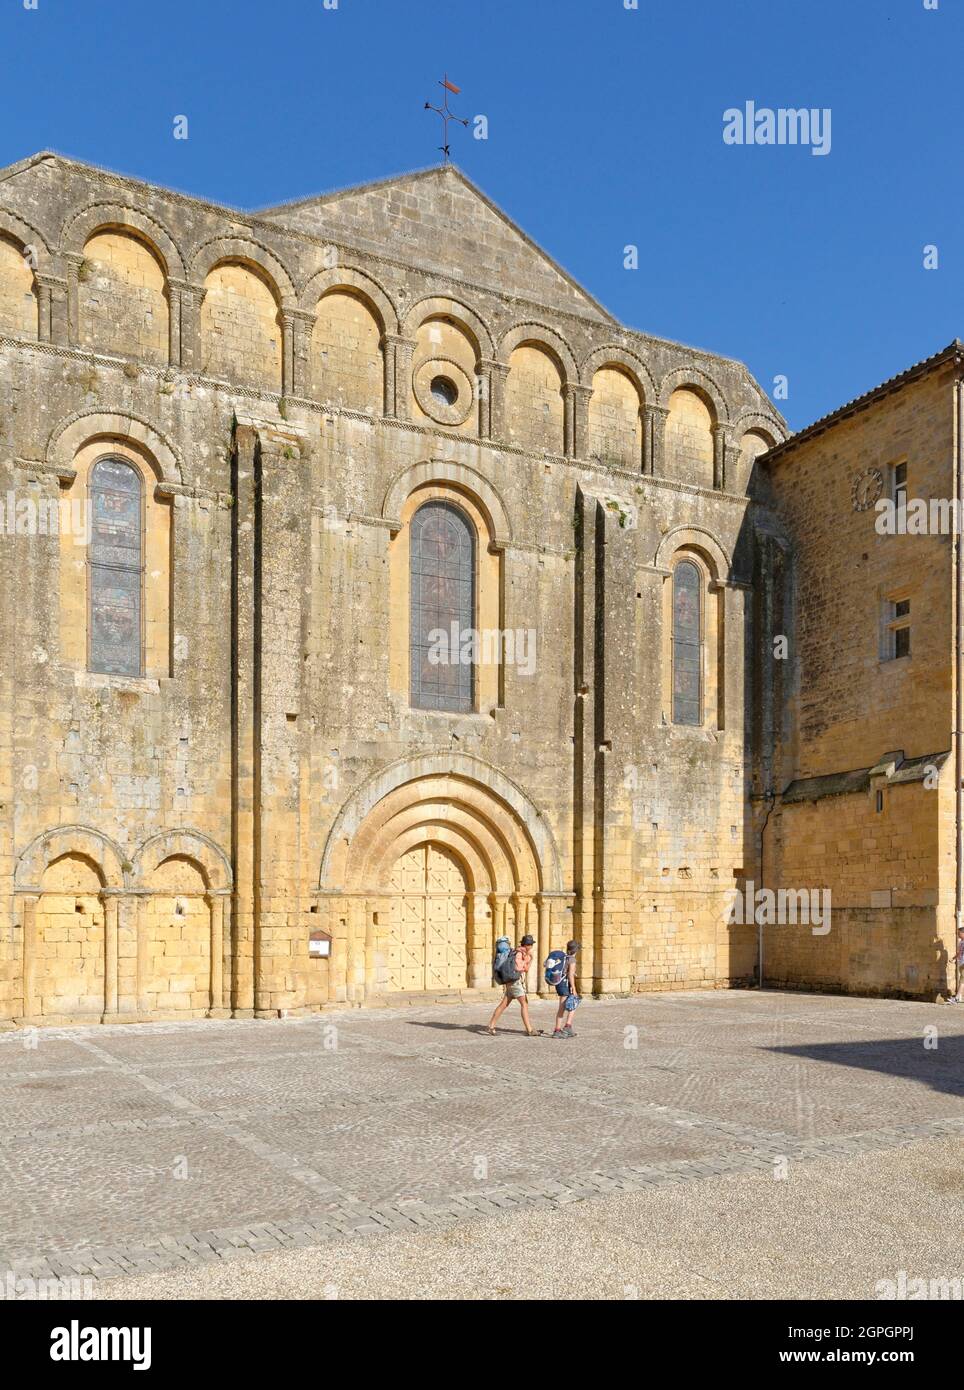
687, 645
115, 569
442, 613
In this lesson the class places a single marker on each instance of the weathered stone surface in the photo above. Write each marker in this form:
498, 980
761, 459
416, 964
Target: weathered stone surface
170, 839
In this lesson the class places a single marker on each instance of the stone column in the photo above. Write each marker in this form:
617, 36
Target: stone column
481, 948
215, 901
302, 325
498, 376
30, 949
654, 435
569, 419
403, 351
73, 260
387, 345
174, 322
126, 959
371, 906
719, 450
578, 405
731, 460
497, 903
191, 296
287, 350
108, 901
544, 938
141, 918
44, 307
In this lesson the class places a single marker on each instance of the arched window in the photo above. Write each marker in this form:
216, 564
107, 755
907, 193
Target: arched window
687, 644
442, 609
116, 569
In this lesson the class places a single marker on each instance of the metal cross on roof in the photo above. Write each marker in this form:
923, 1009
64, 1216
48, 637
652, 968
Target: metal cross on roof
445, 113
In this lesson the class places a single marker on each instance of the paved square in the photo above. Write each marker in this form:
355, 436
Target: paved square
158, 1147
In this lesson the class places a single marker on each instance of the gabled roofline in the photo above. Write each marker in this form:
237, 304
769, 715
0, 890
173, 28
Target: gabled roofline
953, 353
320, 199
254, 214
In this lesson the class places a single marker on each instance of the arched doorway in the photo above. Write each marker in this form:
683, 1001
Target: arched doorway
424, 867
426, 944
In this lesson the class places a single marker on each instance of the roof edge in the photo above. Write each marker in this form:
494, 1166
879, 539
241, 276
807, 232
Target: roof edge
953, 352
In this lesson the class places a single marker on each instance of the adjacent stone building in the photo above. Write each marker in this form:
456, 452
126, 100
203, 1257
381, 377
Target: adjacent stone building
866, 711
259, 470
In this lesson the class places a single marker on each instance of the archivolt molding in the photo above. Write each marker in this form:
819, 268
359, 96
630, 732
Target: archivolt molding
247, 251
755, 420
94, 422
15, 227
183, 844
104, 216
439, 306
438, 833
462, 477
699, 538
402, 825
700, 381
540, 335
79, 840
615, 356
453, 775
357, 282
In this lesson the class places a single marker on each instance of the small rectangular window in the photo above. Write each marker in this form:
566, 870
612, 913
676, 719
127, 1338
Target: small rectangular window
880, 801
899, 485
895, 629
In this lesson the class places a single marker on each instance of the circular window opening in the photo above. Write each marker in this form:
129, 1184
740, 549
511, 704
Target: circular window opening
444, 390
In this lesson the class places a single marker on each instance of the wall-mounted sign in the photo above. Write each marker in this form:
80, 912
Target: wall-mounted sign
319, 944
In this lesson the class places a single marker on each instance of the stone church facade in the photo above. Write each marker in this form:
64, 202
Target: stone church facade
256, 469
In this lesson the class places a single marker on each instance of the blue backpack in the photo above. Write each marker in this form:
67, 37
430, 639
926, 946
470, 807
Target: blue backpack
503, 950
556, 967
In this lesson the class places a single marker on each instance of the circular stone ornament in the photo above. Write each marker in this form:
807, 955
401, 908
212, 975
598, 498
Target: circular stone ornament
444, 390
866, 489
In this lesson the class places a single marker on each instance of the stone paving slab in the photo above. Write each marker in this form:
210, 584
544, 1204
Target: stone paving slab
147, 1147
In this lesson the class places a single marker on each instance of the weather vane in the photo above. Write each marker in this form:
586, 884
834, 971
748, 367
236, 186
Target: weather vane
445, 113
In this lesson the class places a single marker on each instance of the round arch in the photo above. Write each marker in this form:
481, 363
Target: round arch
541, 336
95, 423
462, 478
16, 229
350, 281
438, 306
213, 863
114, 217
243, 251
628, 362
767, 425
475, 788
695, 379
80, 840
696, 538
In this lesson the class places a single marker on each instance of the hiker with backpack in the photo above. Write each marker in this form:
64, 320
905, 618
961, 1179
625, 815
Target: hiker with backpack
510, 969
561, 972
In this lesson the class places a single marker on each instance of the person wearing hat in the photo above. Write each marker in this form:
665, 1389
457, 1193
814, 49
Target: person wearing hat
517, 988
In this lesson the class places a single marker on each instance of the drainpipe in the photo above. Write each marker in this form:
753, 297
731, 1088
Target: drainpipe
958, 674
759, 927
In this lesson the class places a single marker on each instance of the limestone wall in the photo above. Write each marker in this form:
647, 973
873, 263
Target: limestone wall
286, 418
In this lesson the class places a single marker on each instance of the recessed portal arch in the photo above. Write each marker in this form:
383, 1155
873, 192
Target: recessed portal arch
422, 873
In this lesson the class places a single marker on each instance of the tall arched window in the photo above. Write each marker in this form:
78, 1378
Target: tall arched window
116, 569
687, 644
442, 609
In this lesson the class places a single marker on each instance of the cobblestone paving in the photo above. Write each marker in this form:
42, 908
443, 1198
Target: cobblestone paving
134, 1149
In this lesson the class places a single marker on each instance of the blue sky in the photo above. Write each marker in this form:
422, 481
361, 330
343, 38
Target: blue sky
605, 129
